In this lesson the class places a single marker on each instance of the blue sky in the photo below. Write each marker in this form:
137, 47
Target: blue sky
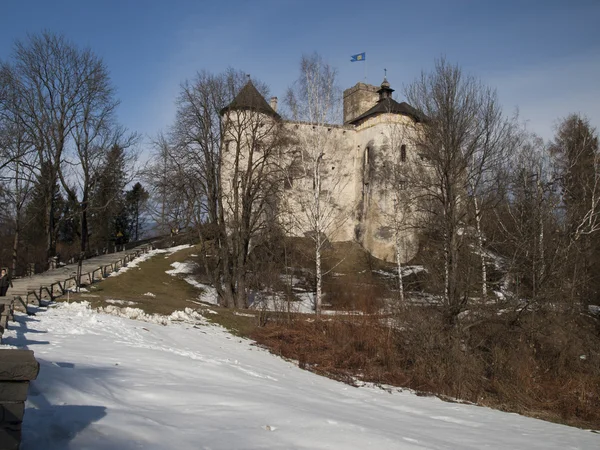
542, 56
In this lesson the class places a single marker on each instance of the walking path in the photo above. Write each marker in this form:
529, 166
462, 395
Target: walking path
55, 282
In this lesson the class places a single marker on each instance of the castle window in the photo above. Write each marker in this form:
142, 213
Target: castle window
403, 153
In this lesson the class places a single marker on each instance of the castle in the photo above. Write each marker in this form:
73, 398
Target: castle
361, 161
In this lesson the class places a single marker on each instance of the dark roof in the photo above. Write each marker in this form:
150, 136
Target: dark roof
250, 98
389, 105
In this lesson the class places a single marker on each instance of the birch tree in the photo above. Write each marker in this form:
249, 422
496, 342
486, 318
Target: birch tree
396, 170
314, 99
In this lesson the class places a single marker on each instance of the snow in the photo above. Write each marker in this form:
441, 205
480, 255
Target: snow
113, 301
181, 267
74, 289
108, 382
278, 302
145, 256
135, 262
175, 249
209, 293
406, 270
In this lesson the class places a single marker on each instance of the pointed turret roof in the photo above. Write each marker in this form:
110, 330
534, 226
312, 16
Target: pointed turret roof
249, 98
386, 104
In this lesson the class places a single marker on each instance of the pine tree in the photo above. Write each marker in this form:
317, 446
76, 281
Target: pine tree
136, 199
108, 199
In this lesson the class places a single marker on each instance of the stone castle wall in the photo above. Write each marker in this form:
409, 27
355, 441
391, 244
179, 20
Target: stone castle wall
357, 190
359, 201
358, 99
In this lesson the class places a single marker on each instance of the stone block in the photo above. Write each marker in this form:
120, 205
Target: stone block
18, 365
11, 413
10, 438
13, 391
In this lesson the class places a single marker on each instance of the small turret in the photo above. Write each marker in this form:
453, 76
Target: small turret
250, 99
385, 91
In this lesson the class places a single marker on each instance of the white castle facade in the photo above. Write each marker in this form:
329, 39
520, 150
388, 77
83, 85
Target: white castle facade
363, 198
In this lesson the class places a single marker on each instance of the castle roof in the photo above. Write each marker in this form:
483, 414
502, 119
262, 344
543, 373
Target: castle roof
386, 104
391, 106
249, 98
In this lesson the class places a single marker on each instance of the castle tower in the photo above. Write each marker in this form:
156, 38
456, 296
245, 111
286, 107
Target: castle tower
249, 99
358, 99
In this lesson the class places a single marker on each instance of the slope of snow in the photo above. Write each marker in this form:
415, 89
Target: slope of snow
107, 382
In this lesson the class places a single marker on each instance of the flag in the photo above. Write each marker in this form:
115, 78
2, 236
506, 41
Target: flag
360, 57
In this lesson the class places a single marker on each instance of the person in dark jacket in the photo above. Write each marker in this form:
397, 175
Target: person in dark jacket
5, 282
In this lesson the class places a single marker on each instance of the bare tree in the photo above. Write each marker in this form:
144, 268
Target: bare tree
460, 141
173, 191
17, 170
577, 158
65, 95
395, 168
252, 174
227, 147
528, 223
314, 100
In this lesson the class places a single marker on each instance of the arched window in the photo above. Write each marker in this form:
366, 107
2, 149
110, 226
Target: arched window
403, 153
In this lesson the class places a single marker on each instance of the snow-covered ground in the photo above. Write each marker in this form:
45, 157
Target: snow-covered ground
111, 383
145, 256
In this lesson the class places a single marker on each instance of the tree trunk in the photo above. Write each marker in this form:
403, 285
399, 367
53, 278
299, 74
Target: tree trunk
84, 227
50, 242
399, 264
137, 221
318, 243
15, 248
481, 251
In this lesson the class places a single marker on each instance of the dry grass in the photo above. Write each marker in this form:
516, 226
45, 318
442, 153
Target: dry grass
539, 373
172, 293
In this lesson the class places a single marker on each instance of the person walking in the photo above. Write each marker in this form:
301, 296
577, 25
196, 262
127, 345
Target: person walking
5, 282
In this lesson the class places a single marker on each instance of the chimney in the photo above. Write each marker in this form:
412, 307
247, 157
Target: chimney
274, 103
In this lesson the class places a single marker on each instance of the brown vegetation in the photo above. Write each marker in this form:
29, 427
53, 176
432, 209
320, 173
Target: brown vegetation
541, 366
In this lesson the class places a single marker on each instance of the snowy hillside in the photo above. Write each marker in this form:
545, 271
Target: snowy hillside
107, 382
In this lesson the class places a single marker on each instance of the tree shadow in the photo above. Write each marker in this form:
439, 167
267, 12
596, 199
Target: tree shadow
19, 325
51, 426
54, 426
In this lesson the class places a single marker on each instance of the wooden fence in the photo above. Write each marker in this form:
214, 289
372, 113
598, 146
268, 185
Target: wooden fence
51, 287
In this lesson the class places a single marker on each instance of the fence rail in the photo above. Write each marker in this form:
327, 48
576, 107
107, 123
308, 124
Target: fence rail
49, 285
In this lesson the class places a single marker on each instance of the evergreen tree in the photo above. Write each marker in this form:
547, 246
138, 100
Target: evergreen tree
136, 199
36, 219
577, 154
108, 199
